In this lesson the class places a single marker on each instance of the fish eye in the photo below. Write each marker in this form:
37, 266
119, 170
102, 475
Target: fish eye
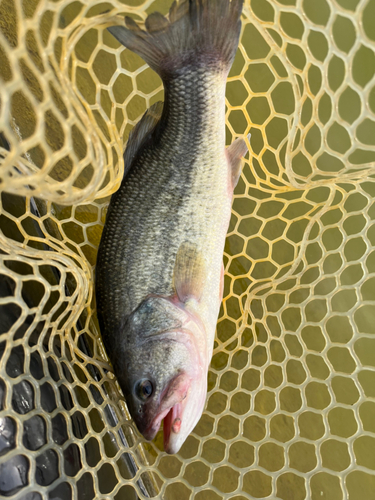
144, 389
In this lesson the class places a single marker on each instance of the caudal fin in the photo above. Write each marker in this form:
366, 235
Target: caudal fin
198, 32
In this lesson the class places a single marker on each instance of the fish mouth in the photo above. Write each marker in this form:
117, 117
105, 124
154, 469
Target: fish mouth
172, 423
173, 402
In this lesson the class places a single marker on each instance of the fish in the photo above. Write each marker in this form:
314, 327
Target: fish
159, 271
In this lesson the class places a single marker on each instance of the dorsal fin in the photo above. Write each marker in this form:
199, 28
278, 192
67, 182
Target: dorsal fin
141, 132
189, 272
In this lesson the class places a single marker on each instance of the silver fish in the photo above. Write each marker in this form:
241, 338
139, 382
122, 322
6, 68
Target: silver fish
159, 275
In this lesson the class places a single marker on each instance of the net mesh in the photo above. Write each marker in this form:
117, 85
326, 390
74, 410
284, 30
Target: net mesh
290, 411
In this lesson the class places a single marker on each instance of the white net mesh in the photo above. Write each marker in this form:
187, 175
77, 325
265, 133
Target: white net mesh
291, 410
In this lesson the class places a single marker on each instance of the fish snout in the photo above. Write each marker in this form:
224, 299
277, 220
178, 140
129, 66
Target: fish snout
170, 409
176, 391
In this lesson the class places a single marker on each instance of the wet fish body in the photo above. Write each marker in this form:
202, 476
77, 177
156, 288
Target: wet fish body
159, 273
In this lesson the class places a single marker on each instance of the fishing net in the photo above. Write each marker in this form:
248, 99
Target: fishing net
290, 411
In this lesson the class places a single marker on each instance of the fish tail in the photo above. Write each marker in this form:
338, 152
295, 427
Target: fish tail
198, 33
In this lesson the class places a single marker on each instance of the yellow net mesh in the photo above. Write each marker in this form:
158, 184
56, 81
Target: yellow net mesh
291, 411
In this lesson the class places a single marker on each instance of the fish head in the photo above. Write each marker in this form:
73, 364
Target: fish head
164, 377
168, 385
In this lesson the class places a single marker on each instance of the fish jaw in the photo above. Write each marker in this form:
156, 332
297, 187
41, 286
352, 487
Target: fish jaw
183, 417
172, 401
181, 407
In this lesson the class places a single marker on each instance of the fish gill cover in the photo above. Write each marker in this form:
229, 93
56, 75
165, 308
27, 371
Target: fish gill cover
290, 406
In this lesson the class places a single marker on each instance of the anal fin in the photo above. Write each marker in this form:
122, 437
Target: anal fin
189, 272
141, 132
235, 152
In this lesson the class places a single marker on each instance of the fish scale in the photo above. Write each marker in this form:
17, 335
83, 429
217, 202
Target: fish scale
166, 198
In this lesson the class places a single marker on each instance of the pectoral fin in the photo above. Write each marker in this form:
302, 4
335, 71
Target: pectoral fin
235, 152
189, 272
